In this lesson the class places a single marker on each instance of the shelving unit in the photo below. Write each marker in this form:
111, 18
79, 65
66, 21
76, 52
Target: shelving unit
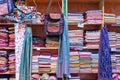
7, 74
109, 6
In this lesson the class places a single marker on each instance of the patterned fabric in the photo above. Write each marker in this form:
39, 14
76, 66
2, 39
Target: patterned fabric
63, 53
19, 38
105, 67
3, 9
116, 77
6, 7
25, 64
25, 12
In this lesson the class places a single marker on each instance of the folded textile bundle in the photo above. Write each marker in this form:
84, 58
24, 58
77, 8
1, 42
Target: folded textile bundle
11, 61
92, 39
76, 39
38, 41
113, 60
118, 40
117, 62
11, 78
75, 17
118, 19
4, 79
35, 62
74, 62
44, 62
3, 61
3, 37
93, 17
52, 42
94, 63
11, 36
112, 39
109, 18
54, 59
75, 78
85, 61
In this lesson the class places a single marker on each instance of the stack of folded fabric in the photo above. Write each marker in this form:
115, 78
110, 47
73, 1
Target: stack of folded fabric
76, 39
3, 37
75, 17
92, 39
11, 58
109, 18
113, 60
74, 62
75, 78
85, 61
94, 64
44, 62
11, 36
52, 42
112, 39
118, 19
118, 41
3, 61
117, 62
54, 58
38, 41
35, 62
94, 17
11, 78
3, 78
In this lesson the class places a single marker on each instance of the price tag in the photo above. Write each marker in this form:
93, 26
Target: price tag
38, 48
81, 25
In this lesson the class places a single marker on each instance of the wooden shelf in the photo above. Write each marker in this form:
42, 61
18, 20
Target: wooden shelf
42, 73
7, 48
112, 1
6, 24
84, 1
45, 48
92, 73
7, 73
26, 24
84, 24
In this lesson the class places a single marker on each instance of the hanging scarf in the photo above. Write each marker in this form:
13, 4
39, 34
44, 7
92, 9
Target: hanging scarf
105, 66
25, 67
63, 53
19, 39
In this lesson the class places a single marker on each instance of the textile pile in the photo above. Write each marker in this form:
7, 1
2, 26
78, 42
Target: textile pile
92, 39
94, 17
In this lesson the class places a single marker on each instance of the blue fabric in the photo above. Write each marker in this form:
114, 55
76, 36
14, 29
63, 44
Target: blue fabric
105, 66
63, 52
25, 64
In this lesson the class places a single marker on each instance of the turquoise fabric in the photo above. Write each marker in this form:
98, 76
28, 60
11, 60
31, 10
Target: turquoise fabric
63, 52
25, 64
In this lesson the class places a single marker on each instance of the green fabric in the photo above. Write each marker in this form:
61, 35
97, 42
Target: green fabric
25, 65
